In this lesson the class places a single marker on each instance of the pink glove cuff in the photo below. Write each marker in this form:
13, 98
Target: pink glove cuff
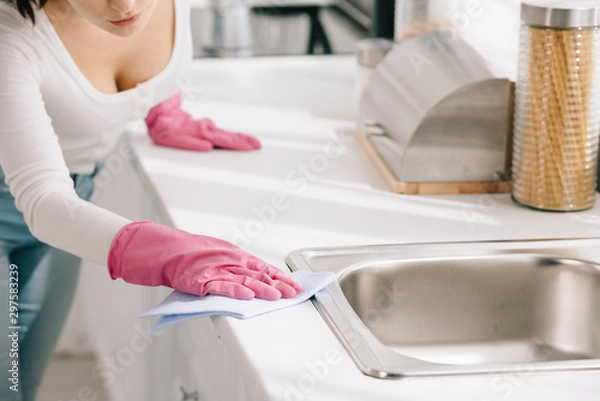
119, 247
169, 106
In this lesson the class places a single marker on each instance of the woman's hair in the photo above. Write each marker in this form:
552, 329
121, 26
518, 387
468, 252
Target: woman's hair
25, 7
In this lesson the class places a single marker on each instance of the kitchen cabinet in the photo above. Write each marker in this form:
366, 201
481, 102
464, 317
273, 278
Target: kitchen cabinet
378, 15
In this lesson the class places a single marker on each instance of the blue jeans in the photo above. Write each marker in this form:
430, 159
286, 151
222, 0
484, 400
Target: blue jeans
37, 283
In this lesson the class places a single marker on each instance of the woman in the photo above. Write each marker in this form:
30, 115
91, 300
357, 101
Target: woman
73, 74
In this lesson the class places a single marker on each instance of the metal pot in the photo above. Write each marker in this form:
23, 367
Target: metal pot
223, 28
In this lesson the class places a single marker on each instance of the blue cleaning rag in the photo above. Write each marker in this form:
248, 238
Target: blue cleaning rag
179, 306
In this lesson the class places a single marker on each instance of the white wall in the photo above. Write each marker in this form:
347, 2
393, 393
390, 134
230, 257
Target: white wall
490, 26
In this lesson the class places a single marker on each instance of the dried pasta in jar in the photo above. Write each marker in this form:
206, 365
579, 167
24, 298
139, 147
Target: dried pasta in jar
557, 106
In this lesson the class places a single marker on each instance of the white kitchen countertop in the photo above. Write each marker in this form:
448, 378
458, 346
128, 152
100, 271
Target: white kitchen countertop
301, 108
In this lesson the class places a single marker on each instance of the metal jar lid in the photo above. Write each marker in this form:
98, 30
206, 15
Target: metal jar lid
370, 51
560, 13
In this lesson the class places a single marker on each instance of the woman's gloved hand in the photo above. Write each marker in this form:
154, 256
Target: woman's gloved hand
152, 254
168, 125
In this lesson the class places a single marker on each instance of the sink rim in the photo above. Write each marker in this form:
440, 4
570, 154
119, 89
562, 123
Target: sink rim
373, 357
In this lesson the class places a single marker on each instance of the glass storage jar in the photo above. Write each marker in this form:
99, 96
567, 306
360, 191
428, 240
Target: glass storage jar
557, 106
419, 17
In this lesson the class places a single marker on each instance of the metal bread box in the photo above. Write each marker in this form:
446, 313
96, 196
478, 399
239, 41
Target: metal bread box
435, 119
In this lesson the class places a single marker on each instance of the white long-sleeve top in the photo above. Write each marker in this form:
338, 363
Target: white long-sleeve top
54, 122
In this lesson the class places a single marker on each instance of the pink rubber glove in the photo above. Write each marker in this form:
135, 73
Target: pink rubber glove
152, 254
168, 125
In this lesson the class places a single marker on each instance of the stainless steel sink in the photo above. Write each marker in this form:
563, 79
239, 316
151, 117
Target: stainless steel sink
463, 308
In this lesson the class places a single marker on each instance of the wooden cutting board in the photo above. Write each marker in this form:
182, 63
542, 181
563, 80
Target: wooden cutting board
427, 188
